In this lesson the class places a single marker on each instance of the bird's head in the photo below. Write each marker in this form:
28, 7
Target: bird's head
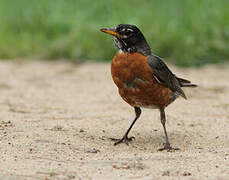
128, 38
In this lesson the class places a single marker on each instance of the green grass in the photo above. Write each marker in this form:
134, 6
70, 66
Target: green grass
186, 32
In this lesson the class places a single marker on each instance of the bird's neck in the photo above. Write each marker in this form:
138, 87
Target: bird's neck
141, 46
142, 49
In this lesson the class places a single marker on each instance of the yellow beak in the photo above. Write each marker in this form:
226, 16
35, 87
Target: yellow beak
111, 32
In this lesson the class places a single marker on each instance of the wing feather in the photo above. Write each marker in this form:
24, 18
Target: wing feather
165, 76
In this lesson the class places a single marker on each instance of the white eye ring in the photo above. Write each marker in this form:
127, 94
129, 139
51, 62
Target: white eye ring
131, 30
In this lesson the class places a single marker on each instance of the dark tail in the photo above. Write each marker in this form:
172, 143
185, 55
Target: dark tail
185, 83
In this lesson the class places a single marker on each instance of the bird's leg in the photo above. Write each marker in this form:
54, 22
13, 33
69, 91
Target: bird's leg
125, 138
167, 144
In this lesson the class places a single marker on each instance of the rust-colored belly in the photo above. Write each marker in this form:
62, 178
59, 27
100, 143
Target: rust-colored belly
136, 83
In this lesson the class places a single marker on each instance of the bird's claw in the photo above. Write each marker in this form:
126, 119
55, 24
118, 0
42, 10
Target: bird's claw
125, 140
168, 148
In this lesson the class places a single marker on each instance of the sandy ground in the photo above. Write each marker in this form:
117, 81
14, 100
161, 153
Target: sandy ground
57, 118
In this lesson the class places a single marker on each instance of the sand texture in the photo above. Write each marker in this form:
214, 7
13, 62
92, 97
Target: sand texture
57, 119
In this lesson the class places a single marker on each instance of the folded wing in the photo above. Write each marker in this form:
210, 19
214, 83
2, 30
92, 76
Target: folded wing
164, 76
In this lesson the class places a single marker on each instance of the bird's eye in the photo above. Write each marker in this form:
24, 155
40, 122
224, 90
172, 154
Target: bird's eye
126, 31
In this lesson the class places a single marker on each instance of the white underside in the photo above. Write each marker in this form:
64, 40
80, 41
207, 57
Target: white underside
148, 107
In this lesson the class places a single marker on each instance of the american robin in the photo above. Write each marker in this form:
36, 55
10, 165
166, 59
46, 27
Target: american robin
142, 78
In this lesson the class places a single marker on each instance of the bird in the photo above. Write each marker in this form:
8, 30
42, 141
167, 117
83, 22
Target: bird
143, 79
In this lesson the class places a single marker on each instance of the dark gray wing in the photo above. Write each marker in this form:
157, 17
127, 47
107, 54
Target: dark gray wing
164, 76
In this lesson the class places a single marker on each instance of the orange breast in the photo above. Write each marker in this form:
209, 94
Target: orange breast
137, 85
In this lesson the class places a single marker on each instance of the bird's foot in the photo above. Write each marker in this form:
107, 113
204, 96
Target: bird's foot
124, 139
168, 148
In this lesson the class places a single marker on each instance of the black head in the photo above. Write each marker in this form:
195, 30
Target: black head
128, 38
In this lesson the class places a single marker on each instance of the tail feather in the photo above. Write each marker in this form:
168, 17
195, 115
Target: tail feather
183, 80
185, 83
188, 85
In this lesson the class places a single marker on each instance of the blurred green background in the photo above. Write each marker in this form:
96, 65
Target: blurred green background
185, 32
